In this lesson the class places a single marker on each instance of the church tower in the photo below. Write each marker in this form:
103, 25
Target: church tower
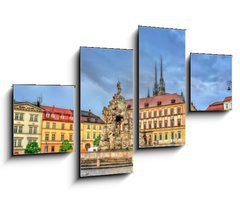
155, 87
161, 90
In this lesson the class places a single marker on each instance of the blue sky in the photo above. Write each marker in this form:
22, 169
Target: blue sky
168, 43
101, 69
59, 96
209, 76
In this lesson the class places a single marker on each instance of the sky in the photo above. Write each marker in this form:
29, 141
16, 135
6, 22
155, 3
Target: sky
168, 43
59, 96
209, 76
101, 69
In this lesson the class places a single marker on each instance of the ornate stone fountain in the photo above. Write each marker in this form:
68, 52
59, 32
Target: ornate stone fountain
117, 133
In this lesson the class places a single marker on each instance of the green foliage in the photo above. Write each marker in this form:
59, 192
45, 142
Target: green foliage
66, 146
32, 147
97, 140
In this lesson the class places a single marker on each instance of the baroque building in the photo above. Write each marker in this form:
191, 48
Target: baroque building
91, 127
27, 126
57, 127
161, 116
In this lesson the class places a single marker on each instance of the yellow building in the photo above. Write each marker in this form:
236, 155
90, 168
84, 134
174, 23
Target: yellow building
161, 120
27, 125
57, 127
161, 116
91, 127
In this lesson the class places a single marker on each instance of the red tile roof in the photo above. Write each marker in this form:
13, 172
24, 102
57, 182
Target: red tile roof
228, 99
154, 101
88, 116
60, 114
216, 106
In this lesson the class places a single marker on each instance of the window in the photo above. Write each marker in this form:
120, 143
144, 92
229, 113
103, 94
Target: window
14, 143
144, 115
30, 129
173, 101
144, 126
62, 137
159, 103
63, 126
53, 116
160, 112
16, 116
35, 130
45, 149
88, 135
165, 112
21, 116
172, 136
71, 127
160, 124
54, 125
155, 124
140, 125
179, 135
172, 122
179, 122
70, 137
172, 111
155, 113
150, 114
94, 135
149, 125
100, 127
47, 125
62, 116
166, 136
71, 117
29, 141
179, 110
88, 126
47, 115
36, 118
166, 123
31, 117
53, 137
94, 127
20, 129
19, 143
155, 137
46, 137
52, 149
15, 128
160, 136
146, 104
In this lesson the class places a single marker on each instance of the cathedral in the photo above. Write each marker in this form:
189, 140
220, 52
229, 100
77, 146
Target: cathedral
159, 89
161, 116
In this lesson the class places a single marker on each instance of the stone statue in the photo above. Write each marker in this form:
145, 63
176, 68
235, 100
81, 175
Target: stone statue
117, 132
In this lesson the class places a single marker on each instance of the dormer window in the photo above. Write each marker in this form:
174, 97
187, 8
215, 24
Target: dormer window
53, 116
129, 106
173, 101
71, 117
159, 103
47, 115
146, 105
62, 116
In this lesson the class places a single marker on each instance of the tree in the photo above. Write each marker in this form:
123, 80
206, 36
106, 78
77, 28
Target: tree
97, 140
66, 146
32, 147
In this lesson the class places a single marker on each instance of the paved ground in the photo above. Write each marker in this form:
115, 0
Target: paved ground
106, 171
